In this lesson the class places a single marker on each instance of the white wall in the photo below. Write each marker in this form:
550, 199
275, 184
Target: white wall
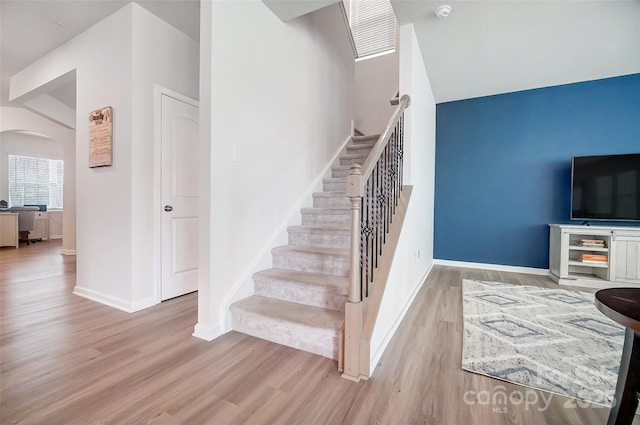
13, 119
102, 58
409, 270
117, 63
282, 95
204, 328
164, 56
12, 143
376, 83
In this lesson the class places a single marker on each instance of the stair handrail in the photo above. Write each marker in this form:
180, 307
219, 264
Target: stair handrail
374, 190
355, 185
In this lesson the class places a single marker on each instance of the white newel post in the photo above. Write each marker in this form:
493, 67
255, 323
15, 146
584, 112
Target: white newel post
353, 307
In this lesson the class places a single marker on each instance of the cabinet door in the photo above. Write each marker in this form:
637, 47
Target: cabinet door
41, 227
627, 259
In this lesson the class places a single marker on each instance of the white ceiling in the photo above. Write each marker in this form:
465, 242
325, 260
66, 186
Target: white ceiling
30, 29
483, 48
491, 47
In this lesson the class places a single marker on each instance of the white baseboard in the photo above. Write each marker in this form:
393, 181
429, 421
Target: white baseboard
101, 298
375, 358
68, 251
263, 260
142, 304
54, 237
592, 283
487, 266
111, 301
208, 333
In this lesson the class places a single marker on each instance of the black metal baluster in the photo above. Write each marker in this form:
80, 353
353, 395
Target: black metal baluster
374, 179
394, 169
397, 158
401, 148
385, 191
371, 228
369, 231
380, 203
388, 180
380, 200
398, 155
362, 250
391, 180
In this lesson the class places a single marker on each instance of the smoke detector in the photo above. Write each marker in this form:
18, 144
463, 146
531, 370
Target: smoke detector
443, 11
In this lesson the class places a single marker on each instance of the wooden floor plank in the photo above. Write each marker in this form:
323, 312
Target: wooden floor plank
67, 360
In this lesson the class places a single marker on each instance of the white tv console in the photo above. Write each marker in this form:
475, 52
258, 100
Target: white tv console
622, 248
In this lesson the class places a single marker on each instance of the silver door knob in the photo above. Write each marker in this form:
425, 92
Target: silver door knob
168, 208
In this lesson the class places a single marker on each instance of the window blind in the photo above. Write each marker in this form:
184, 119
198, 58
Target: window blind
373, 26
35, 181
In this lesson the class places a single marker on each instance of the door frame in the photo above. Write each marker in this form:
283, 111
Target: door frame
160, 91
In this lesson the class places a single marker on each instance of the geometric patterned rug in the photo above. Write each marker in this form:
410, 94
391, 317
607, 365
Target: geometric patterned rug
548, 339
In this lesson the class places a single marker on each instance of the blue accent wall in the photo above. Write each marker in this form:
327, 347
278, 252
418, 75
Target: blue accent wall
503, 164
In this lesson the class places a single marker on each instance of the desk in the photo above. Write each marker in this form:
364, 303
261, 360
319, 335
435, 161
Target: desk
9, 229
623, 306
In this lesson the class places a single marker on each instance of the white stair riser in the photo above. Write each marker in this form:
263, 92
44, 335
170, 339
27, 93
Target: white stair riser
293, 335
349, 161
331, 202
335, 187
322, 240
312, 263
300, 293
334, 220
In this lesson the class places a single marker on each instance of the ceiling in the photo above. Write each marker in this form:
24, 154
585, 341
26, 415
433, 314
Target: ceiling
482, 48
491, 47
31, 29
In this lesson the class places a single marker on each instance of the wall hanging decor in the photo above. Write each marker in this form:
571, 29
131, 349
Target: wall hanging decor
100, 137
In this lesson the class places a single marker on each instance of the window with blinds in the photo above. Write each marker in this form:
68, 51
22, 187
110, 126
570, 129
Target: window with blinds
373, 26
35, 181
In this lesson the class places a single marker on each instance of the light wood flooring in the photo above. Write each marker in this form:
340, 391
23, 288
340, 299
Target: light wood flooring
67, 360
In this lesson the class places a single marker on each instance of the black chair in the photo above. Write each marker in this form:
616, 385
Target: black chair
26, 221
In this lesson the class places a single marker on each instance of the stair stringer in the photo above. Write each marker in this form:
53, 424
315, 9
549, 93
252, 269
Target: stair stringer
244, 286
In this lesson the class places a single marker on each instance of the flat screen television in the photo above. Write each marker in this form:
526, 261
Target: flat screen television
605, 187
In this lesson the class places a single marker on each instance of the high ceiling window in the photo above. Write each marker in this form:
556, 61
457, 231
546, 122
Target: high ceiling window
35, 181
373, 26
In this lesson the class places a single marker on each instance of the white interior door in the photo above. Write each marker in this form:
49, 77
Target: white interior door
179, 134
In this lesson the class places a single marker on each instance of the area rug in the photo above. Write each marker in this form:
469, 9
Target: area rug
548, 339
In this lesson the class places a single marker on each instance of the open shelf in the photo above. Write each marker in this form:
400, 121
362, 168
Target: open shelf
587, 276
587, 248
587, 264
621, 251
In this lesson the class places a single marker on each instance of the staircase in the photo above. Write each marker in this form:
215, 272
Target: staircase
300, 301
